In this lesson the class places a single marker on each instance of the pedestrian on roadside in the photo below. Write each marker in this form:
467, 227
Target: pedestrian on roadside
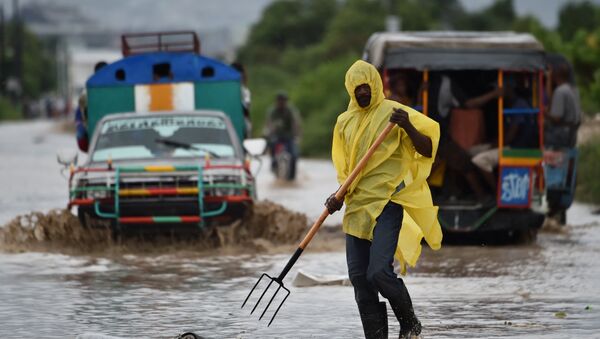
81, 133
563, 118
246, 97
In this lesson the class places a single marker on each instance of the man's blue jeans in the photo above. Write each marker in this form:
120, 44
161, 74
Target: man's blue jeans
370, 266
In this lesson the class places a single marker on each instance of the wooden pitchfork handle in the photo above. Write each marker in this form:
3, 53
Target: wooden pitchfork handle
341, 192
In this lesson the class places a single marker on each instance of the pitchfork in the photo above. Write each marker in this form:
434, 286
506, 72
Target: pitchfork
311, 233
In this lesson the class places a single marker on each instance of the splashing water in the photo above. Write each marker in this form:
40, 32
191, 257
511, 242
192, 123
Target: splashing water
60, 231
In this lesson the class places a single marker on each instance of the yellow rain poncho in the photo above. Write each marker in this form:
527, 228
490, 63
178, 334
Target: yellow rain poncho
394, 162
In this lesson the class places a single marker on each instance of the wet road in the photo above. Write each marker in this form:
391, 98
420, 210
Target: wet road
458, 292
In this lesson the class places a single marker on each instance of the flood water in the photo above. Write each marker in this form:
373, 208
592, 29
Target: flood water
548, 289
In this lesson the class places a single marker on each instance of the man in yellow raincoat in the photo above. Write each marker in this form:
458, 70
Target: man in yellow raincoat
388, 207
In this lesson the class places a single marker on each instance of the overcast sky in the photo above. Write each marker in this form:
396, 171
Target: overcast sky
157, 15
237, 15
545, 10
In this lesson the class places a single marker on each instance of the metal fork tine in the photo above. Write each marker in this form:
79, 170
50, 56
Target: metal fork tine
252, 290
279, 282
270, 301
277, 310
262, 295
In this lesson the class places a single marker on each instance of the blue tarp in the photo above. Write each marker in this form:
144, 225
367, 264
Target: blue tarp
184, 67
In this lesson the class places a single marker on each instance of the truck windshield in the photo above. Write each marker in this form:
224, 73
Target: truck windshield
141, 138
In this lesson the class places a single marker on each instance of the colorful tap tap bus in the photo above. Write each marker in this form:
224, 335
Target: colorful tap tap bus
166, 147
486, 89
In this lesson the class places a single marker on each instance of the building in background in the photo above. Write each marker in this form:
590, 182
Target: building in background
84, 32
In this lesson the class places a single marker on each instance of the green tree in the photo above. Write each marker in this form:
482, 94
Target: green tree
305, 47
287, 24
352, 26
530, 24
575, 16
38, 65
309, 68
588, 184
321, 96
498, 16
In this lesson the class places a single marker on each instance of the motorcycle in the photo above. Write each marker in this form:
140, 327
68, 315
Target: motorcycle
283, 161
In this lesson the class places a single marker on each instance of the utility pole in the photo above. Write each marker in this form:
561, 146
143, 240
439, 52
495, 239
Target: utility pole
18, 44
17, 79
2, 51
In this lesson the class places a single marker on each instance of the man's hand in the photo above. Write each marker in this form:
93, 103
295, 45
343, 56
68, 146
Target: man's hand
421, 142
400, 117
333, 204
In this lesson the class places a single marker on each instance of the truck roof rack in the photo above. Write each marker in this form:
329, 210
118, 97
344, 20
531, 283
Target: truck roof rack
174, 41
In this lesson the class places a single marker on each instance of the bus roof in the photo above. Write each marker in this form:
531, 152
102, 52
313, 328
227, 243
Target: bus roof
447, 50
181, 66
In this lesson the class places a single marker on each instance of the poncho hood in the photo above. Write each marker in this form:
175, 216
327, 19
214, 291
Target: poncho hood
359, 73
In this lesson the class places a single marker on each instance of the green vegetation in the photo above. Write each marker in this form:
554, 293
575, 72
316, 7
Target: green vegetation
37, 64
305, 47
307, 54
8, 111
588, 183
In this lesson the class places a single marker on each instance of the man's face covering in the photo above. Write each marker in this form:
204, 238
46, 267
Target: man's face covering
363, 95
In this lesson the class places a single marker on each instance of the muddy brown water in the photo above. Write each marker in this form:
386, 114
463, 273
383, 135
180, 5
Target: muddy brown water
52, 286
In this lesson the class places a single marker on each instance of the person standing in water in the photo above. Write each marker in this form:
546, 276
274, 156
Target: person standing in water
563, 118
388, 207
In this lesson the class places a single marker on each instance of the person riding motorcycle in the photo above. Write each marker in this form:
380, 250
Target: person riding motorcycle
283, 129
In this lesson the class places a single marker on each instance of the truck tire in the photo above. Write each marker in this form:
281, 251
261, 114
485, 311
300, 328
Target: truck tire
83, 217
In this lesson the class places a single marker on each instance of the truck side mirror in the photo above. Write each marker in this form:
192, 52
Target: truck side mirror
66, 157
255, 147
